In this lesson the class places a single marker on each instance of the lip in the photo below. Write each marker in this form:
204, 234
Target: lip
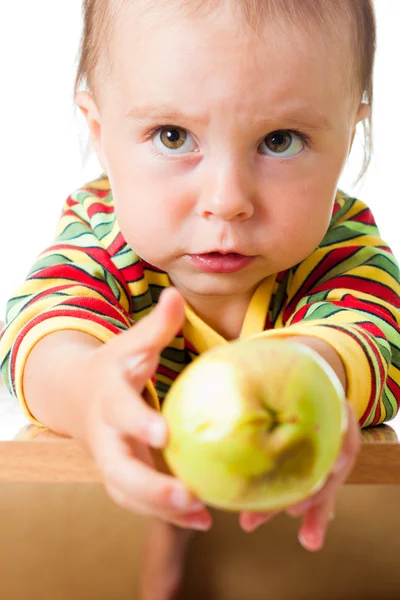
220, 262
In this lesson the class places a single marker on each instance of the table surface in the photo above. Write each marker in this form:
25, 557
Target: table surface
31, 454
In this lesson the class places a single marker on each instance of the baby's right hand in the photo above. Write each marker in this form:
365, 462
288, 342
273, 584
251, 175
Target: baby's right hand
121, 426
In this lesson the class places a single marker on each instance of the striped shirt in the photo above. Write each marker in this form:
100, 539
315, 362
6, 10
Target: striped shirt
347, 293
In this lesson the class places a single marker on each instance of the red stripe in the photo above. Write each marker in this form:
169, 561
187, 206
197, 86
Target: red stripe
48, 315
366, 286
71, 213
95, 192
336, 208
372, 399
268, 323
133, 273
300, 314
355, 303
147, 265
74, 274
372, 329
98, 255
281, 276
71, 202
189, 347
163, 370
394, 388
117, 245
97, 208
329, 261
45, 293
98, 305
365, 216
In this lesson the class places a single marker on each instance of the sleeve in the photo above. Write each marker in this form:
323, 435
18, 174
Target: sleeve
347, 293
73, 285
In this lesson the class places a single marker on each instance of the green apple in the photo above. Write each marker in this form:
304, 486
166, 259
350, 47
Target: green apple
255, 424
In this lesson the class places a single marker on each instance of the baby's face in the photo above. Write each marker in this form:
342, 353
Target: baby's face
215, 139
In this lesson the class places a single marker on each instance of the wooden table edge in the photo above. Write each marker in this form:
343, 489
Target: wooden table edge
65, 461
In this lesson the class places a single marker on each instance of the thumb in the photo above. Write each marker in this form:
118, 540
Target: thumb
146, 340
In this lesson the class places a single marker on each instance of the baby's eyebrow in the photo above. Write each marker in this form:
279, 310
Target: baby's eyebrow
301, 115
160, 112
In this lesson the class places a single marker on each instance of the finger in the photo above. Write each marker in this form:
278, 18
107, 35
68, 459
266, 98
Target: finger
141, 346
341, 470
194, 518
141, 485
315, 525
129, 414
199, 520
250, 521
154, 331
111, 450
351, 443
346, 460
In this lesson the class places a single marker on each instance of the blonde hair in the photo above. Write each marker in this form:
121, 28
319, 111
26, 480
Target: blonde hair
99, 18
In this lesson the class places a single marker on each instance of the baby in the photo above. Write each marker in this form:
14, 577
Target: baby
222, 128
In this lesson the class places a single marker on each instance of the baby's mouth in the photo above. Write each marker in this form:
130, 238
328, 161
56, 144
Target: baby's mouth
218, 262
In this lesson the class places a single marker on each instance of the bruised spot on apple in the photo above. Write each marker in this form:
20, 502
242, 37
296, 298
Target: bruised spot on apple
255, 425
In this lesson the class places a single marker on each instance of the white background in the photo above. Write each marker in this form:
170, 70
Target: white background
43, 137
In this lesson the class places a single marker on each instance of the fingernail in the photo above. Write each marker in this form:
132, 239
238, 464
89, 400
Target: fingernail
313, 542
200, 524
163, 295
182, 500
135, 363
303, 541
331, 516
255, 522
157, 433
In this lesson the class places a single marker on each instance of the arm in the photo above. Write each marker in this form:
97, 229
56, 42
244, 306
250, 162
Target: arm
328, 353
346, 295
344, 302
73, 286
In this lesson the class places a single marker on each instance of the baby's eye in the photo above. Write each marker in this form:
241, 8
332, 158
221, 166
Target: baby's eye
282, 143
174, 140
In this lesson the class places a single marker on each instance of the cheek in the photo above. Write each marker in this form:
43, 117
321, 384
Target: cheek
302, 220
148, 210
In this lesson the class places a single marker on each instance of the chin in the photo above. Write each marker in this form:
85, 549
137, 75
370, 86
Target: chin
207, 284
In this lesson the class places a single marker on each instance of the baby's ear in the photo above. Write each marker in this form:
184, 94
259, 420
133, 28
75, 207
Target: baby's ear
364, 110
87, 104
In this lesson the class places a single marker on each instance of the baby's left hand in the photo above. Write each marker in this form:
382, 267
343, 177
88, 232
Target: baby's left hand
319, 509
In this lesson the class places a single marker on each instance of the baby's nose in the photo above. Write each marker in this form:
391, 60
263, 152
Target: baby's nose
228, 195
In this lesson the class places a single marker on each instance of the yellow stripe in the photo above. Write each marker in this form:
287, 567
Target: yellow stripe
199, 333
203, 337
50, 326
138, 288
77, 255
154, 278
303, 272
99, 184
164, 379
52, 301
375, 275
257, 311
177, 343
351, 211
109, 239
362, 241
337, 294
36, 286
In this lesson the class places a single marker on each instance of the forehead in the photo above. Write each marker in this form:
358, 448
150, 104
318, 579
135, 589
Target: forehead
216, 59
